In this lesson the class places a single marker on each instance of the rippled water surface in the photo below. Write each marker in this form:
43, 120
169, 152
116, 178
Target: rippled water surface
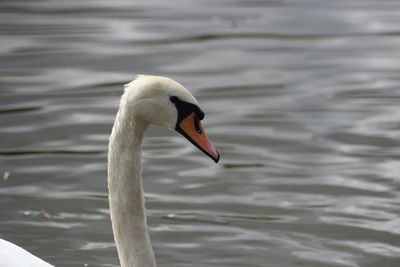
302, 99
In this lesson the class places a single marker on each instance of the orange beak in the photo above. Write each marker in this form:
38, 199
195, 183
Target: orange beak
191, 128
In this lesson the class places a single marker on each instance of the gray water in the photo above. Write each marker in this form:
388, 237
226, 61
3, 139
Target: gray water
301, 99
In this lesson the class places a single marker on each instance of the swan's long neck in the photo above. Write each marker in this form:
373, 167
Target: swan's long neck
125, 191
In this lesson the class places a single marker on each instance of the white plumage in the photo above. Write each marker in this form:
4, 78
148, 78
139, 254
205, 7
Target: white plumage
12, 255
147, 100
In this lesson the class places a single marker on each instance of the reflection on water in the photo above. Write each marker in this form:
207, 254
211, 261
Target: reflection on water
301, 99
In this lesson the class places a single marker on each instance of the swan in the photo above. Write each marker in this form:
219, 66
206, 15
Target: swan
147, 100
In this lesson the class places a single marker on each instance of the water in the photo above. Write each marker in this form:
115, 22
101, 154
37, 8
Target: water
301, 99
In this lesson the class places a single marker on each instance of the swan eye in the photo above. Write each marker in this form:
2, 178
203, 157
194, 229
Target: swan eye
185, 109
197, 125
174, 99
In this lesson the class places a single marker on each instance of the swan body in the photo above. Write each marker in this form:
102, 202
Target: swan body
147, 100
12, 255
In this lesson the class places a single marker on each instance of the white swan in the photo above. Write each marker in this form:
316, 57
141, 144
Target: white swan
147, 100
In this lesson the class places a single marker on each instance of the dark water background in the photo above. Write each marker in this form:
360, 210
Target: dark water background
302, 100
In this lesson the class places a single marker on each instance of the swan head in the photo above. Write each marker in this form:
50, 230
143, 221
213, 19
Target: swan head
164, 102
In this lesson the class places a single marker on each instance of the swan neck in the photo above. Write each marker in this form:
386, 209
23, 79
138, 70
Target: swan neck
126, 199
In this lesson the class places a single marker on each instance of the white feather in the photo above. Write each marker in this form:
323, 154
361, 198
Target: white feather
145, 101
12, 255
